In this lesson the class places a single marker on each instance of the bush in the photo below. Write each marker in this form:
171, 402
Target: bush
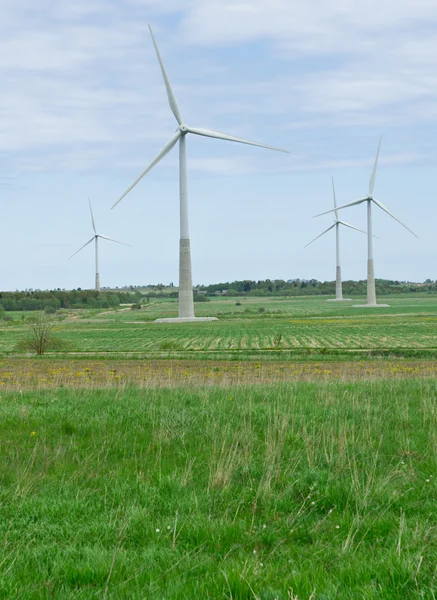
277, 339
200, 298
261, 309
40, 335
170, 345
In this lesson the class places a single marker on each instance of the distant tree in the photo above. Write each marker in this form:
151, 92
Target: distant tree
40, 336
277, 339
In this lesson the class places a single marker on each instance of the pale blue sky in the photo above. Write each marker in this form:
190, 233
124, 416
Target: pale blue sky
83, 110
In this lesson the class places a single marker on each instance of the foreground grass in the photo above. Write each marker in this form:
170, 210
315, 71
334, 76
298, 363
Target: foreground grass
293, 491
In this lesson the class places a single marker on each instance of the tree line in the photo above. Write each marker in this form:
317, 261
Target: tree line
307, 287
56, 299
53, 300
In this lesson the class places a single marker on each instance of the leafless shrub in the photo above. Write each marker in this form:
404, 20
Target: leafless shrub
40, 336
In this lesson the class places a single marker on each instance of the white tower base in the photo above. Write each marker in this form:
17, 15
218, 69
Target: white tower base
371, 293
338, 286
186, 304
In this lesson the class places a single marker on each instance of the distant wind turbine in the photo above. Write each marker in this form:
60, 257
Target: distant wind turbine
95, 238
186, 305
371, 293
337, 223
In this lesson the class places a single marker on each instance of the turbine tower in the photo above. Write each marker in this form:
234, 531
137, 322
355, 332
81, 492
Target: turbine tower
186, 305
337, 223
371, 293
95, 238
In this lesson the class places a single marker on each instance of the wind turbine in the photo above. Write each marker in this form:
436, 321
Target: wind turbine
186, 305
95, 238
371, 294
337, 223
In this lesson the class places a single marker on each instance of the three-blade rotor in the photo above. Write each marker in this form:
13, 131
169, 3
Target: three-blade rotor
183, 128
97, 235
369, 198
337, 220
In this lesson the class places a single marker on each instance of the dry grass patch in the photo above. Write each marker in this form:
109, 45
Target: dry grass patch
34, 373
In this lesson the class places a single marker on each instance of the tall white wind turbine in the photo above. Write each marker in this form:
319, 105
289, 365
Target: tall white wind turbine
337, 223
371, 294
95, 238
186, 305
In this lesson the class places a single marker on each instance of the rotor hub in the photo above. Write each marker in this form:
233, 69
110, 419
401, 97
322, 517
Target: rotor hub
183, 129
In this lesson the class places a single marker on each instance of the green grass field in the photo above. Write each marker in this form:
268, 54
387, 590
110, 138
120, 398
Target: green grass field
286, 454
320, 491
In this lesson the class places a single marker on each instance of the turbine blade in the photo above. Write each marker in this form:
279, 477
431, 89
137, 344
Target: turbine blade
341, 207
356, 228
335, 200
230, 138
170, 94
375, 166
116, 241
385, 209
92, 216
82, 247
352, 227
323, 233
156, 160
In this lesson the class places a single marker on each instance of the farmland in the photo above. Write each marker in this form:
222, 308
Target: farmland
286, 451
285, 329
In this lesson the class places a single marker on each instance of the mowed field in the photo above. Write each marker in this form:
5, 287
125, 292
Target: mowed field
285, 328
287, 451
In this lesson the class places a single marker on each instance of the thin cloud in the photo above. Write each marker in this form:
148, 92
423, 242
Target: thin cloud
80, 81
